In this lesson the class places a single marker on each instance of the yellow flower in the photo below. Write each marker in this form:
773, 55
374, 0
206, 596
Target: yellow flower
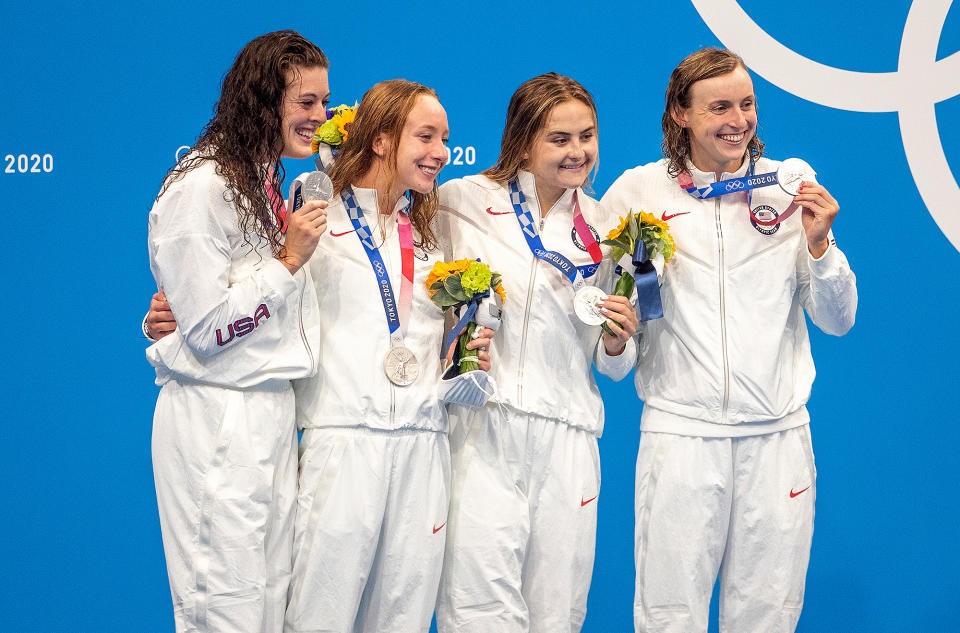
670, 247
343, 119
442, 270
615, 233
649, 218
500, 291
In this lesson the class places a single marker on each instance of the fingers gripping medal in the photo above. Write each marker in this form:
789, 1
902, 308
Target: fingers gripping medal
791, 173
585, 305
400, 364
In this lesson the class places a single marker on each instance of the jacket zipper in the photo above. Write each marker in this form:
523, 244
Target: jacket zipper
526, 319
723, 317
303, 333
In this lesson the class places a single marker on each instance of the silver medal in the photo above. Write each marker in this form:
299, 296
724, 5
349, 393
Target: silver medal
792, 172
585, 305
401, 366
317, 186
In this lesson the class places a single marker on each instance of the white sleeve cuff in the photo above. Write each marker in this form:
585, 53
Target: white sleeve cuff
615, 367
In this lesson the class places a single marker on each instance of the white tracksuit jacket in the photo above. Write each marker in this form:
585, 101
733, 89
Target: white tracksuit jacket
350, 388
731, 356
224, 442
242, 318
542, 354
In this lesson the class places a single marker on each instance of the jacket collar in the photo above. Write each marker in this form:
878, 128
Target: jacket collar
528, 184
701, 178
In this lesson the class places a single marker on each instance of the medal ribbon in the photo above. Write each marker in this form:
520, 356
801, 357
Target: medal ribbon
575, 274
398, 314
733, 185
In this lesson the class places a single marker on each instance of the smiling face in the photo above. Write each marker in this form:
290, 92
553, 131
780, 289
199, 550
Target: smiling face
304, 109
564, 151
720, 121
422, 147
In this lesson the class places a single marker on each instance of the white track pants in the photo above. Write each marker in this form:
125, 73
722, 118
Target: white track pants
370, 530
522, 530
743, 506
225, 467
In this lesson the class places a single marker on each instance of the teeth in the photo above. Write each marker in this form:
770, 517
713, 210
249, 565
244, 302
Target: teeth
430, 170
733, 138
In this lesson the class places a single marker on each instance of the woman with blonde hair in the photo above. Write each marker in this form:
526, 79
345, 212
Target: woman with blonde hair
374, 456
526, 473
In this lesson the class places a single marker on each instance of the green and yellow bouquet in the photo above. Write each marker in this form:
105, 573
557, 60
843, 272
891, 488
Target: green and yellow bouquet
658, 249
460, 283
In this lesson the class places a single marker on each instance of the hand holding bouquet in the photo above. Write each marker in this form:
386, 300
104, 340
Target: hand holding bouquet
471, 287
639, 244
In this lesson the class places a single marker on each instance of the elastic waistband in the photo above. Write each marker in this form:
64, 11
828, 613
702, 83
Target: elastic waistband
659, 421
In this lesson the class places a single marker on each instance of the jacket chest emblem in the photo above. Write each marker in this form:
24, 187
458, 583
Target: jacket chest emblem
765, 213
575, 238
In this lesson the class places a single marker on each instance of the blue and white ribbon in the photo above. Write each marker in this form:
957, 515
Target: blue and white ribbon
733, 185
387, 296
574, 273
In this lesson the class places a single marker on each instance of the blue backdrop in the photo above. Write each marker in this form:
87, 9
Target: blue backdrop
98, 98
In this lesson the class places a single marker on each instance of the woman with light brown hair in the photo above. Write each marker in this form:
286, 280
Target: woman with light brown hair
726, 480
374, 456
526, 473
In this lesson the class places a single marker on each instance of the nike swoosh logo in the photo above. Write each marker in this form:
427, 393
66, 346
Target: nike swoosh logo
437, 529
341, 234
583, 503
665, 217
492, 212
794, 494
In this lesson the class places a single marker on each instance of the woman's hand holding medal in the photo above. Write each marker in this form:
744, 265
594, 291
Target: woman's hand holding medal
819, 211
304, 229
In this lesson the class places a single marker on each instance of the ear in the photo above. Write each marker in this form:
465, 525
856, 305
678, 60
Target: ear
679, 116
381, 145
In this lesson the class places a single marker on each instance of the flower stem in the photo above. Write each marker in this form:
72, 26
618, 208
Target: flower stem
624, 288
468, 357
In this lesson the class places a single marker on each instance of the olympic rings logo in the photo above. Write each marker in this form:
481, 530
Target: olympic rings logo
378, 267
919, 83
733, 185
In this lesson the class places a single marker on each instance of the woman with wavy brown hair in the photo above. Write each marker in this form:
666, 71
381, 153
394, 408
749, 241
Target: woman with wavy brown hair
374, 457
224, 440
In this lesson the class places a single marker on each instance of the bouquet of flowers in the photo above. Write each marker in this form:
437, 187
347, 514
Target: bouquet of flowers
467, 283
641, 246
332, 133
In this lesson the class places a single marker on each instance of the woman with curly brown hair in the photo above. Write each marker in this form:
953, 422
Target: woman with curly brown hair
374, 457
224, 441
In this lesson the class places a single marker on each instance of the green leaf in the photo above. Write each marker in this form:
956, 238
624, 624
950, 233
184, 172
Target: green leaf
452, 285
443, 299
633, 225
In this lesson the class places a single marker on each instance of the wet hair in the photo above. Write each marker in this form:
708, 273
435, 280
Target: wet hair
384, 110
706, 63
527, 115
245, 135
